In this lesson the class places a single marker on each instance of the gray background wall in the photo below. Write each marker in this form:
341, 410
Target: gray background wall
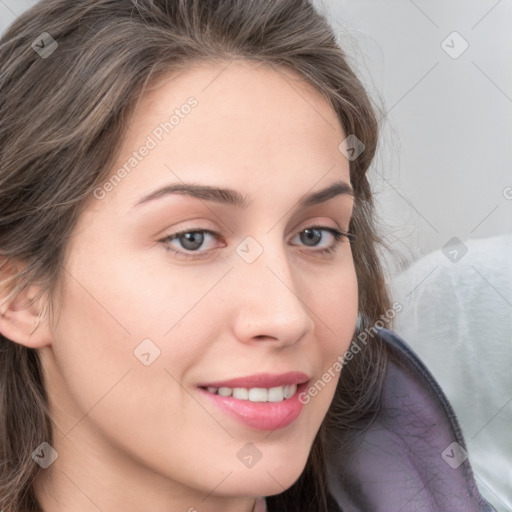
445, 163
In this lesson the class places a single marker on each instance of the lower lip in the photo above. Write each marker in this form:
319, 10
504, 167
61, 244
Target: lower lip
260, 415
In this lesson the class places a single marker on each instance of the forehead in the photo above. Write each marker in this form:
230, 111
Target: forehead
239, 87
255, 102
251, 124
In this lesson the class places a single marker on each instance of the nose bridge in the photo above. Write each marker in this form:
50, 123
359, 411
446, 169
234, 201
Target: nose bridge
269, 302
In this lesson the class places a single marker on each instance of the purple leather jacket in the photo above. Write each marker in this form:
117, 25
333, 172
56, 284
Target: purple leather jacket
412, 457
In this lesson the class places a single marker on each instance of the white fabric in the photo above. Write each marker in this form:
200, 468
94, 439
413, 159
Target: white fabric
458, 318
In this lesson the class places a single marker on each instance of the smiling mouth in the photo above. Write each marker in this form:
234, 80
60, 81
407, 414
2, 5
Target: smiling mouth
265, 401
275, 394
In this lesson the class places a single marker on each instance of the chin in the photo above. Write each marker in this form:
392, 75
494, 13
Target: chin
267, 479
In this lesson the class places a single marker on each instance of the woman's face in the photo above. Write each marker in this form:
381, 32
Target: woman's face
155, 330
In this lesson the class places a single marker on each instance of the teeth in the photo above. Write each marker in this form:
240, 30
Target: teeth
289, 390
277, 394
241, 393
258, 395
225, 391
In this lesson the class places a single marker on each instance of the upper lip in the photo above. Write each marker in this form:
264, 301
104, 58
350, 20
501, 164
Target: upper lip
260, 380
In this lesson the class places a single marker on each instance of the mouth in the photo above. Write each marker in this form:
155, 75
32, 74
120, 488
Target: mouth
263, 401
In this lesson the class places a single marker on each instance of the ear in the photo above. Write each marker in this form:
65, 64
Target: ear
24, 320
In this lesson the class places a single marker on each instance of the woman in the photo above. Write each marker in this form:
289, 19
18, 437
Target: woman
192, 304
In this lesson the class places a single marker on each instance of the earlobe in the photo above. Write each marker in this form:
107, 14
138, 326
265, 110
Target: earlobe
25, 322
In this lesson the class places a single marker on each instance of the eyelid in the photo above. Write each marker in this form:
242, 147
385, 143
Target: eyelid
302, 227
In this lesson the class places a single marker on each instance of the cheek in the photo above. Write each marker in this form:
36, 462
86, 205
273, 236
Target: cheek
335, 312
337, 307
99, 385
91, 349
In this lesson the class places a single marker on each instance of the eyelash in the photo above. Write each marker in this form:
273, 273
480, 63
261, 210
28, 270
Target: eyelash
338, 236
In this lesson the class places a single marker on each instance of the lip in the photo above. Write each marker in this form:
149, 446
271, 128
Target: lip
260, 380
259, 415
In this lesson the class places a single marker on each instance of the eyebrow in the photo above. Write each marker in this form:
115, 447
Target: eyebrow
234, 198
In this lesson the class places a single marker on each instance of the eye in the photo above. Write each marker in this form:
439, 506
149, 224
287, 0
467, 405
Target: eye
191, 240
312, 235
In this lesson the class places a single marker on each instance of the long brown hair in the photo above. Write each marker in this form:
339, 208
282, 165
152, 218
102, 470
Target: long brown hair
62, 117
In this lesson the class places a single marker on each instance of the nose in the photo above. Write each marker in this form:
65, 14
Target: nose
270, 301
